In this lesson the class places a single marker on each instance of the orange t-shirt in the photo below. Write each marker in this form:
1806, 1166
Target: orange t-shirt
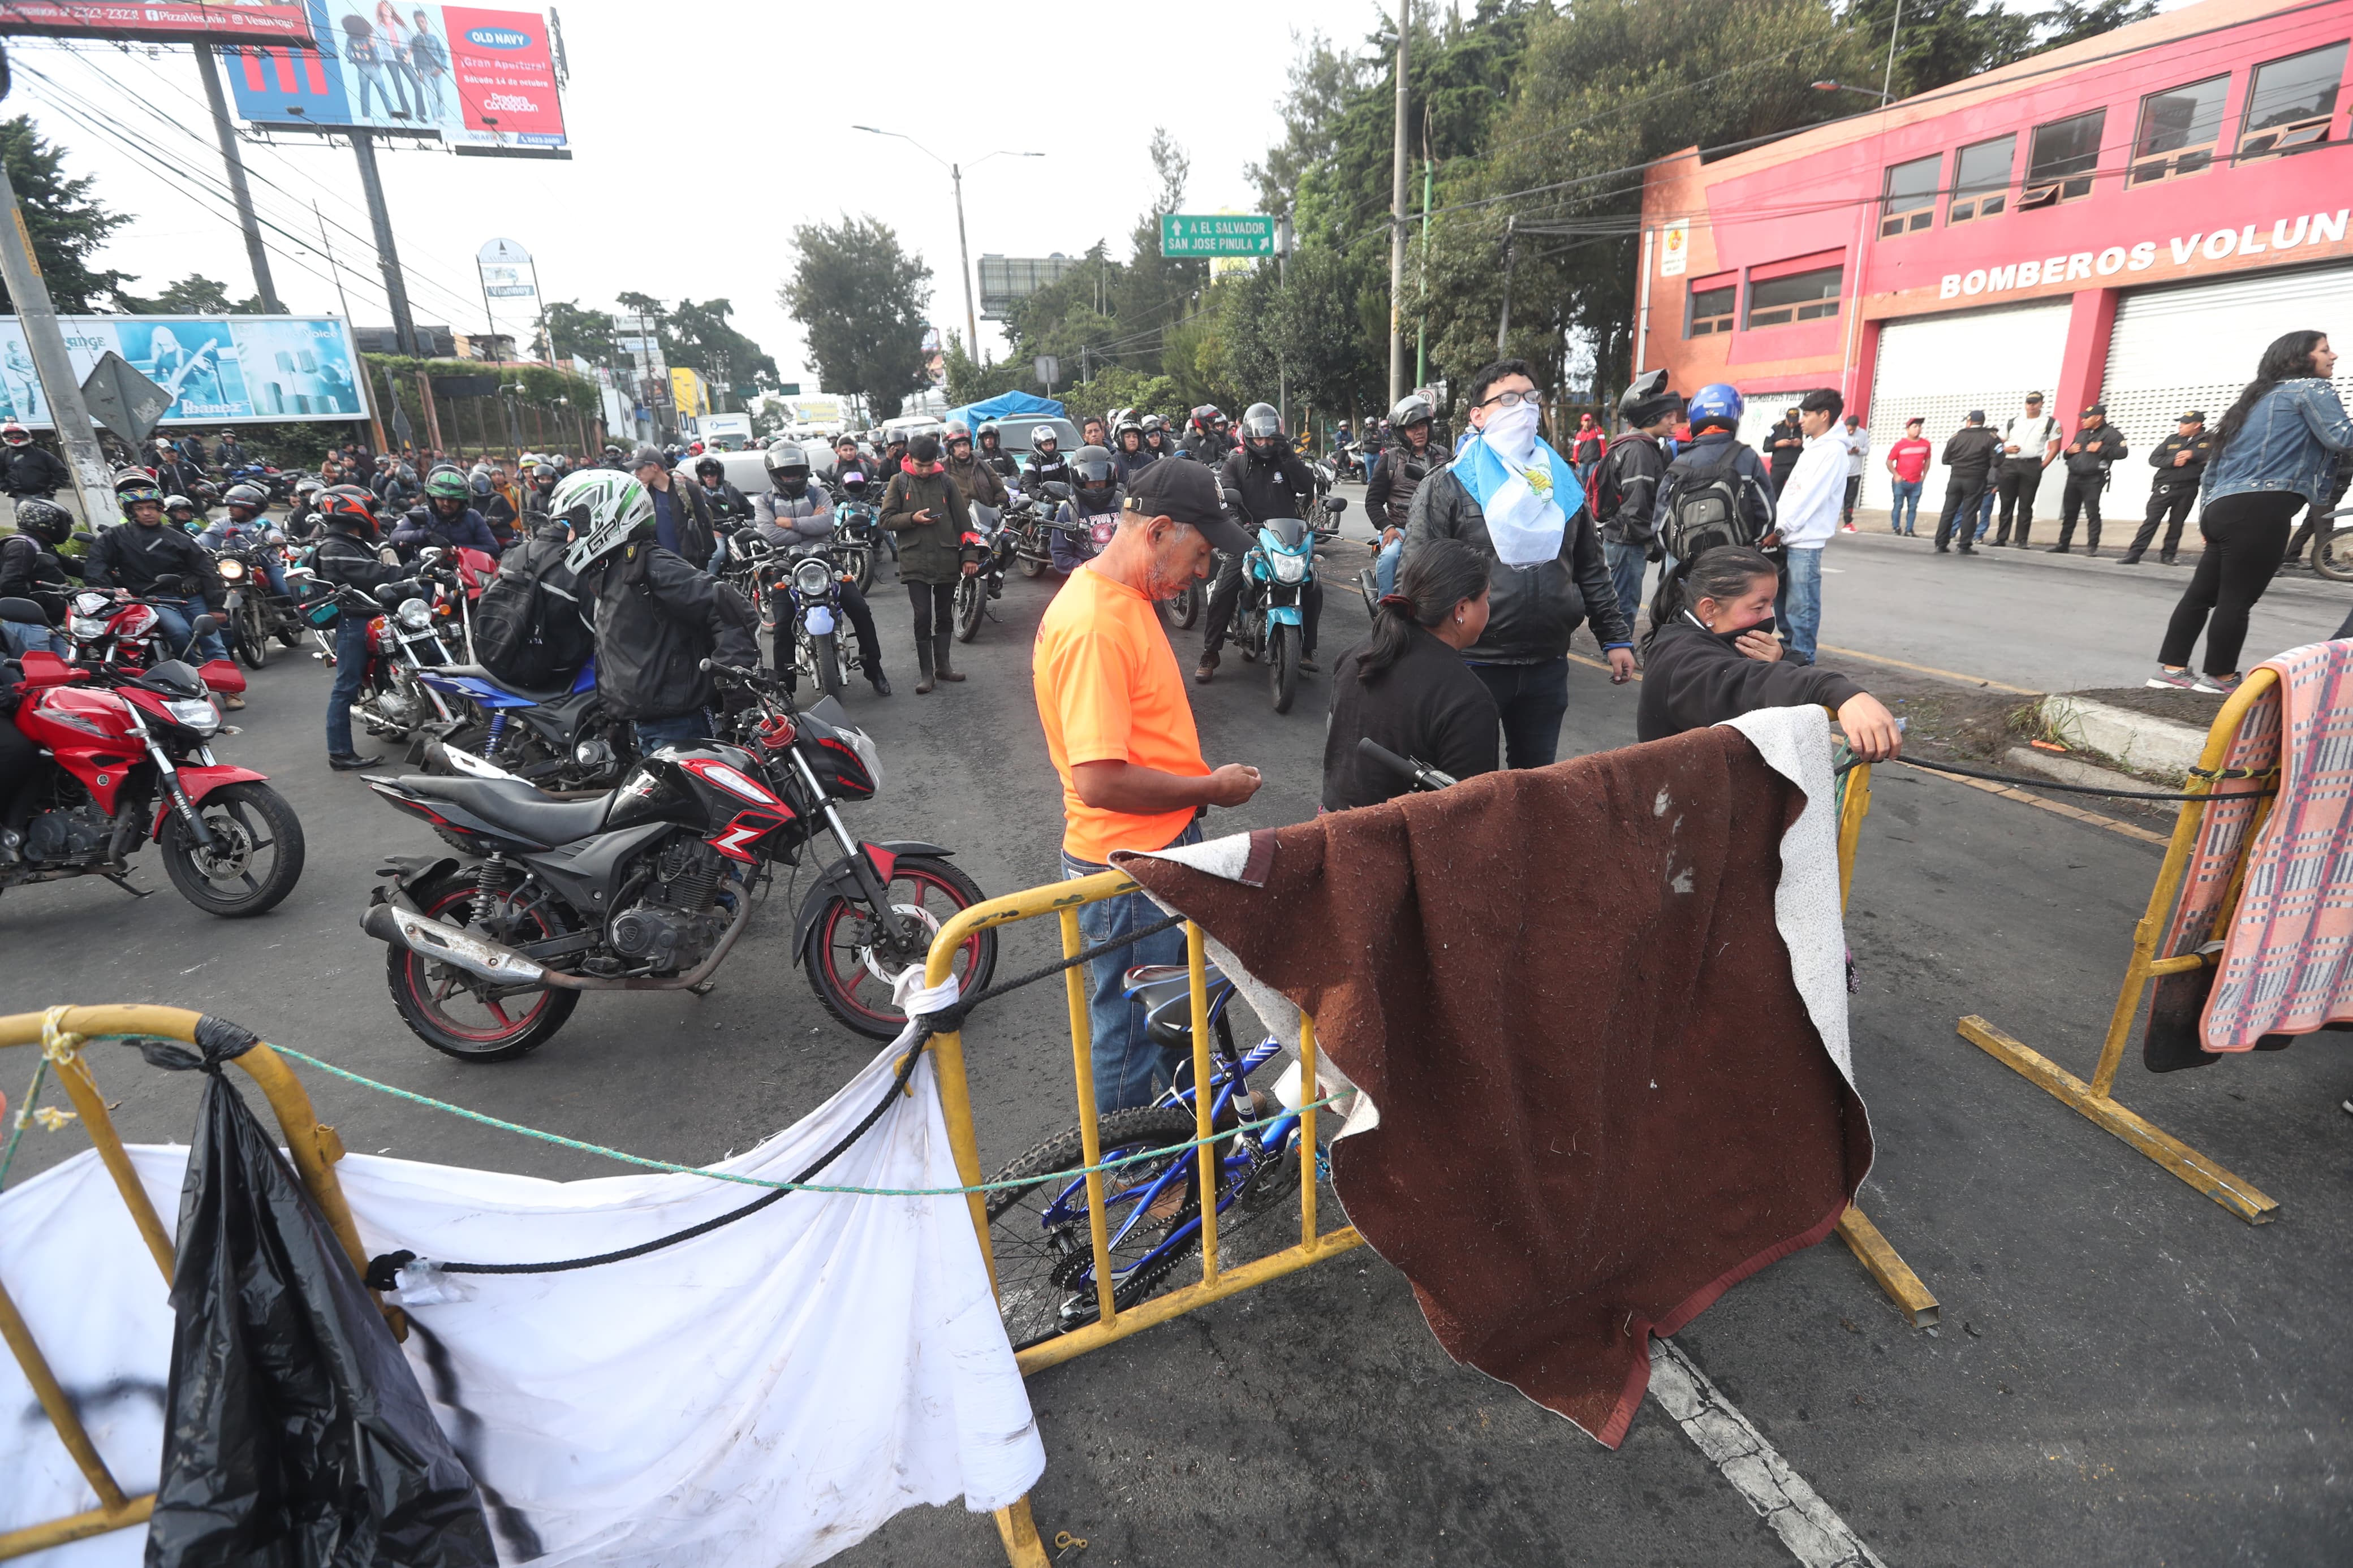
1109, 692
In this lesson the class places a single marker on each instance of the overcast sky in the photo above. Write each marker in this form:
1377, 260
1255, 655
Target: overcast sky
702, 132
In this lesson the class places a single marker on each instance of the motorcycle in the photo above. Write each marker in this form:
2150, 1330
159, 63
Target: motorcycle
268, 475
648, 888
1030, 519
1276, 573
394, 699
130, 759
255, 613
114, 636
974, 591
810, 579
560, 737
858, 533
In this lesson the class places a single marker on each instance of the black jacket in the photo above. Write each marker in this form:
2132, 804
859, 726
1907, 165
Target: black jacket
346, 558
697, 537
1970, 452
1691, 678
1532, 612
31, 570
997, 458
175, 474
129, 555
1128, 465
2098, 448
1044, 471
1427, 706
1780, 459
726, 505
658, 617
2199, 447
36, 471
1282, 488
1204, 448
1750, 481
1397, 474
1625, 491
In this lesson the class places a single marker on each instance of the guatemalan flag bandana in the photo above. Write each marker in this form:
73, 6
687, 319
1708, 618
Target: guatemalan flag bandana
1527, 509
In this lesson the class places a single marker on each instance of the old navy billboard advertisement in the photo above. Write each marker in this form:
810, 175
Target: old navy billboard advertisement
485, 77
220, 370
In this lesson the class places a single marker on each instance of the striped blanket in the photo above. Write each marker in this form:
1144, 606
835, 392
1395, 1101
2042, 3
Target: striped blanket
2286, 964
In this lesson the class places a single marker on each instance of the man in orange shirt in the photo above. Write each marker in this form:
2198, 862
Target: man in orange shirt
1120, 730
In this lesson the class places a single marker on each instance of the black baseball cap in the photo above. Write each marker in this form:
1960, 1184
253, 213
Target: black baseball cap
2099, 409
2195, 416
1187, 491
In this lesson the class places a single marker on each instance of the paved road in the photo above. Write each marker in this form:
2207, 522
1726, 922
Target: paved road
2126, 1373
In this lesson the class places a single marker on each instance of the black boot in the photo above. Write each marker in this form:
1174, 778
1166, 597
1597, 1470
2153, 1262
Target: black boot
944, 640
880, 681
924, 680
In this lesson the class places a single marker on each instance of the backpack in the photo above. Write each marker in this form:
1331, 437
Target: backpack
530, 629
1707, 511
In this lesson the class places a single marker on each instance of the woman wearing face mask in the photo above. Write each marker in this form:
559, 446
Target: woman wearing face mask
1718, 659
1406, 688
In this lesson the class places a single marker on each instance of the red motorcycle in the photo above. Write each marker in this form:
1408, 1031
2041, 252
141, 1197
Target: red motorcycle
114, 635
131, 760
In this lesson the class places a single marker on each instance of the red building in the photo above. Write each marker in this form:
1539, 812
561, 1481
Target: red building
2128, 220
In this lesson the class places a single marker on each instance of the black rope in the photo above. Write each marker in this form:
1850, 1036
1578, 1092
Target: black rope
382, 1271
2027, 783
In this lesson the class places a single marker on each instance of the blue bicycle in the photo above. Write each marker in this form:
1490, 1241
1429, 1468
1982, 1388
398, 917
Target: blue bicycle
1152, 1208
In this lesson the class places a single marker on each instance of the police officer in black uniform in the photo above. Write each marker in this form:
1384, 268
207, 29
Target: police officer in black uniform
2180, 461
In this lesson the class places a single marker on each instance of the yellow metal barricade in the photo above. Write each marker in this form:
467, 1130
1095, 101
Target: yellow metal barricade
2096, 1099
61, 1032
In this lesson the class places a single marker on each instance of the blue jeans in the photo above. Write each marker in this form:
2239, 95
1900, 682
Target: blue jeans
19, 637
682, 730
1385, 567
179, 617
1627, 564
1533, 699
1131, 1068
1908, 494
1798, 605
1985, 510
351, 677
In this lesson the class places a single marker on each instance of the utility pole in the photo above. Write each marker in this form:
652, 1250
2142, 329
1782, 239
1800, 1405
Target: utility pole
207, 68
1421, 326
47, 343
333, 265
964, 261
396, 287
1283, 284
1396, 211
1511, 226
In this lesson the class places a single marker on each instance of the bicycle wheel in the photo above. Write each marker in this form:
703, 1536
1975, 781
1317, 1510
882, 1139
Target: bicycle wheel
1040, 1238
2332, 554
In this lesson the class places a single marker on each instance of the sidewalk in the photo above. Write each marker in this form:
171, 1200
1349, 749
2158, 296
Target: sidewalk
2116, 535
1871, 528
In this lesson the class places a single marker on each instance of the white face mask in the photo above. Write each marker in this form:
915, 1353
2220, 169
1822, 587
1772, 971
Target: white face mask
1511, 431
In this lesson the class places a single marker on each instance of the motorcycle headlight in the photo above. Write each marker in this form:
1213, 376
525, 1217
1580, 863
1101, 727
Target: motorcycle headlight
86, 625
193, 713
812, 577
416, 614
1288, 568
230, 571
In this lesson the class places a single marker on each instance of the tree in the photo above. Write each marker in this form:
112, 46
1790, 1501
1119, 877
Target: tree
195, 295
575, 333
701, 336
861, 299
64, 221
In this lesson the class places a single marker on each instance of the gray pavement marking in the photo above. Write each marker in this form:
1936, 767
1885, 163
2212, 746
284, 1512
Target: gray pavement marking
1815, 1535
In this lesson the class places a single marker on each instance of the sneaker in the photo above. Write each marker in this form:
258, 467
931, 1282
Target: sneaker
2218, 685
232, 701
1307, 664
350, 763
1206, 669
1846, 528
2171, 679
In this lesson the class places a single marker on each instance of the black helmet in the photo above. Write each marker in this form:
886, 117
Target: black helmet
45, 521
1647, 400
1413, 408
1151, 424
250, 496
1091, 467
987, 433
710, 468
1262, 429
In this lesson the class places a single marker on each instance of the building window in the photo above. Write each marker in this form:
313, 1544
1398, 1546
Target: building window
1801, 297
1981, 179
1909, 201
2179, 129
2061, 159
2291, 102
1711, 311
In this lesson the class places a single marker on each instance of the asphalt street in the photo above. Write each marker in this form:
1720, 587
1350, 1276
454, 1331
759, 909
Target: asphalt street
2125, 1373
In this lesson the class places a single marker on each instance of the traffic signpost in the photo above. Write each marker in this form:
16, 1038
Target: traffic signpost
124, 398
1217, 234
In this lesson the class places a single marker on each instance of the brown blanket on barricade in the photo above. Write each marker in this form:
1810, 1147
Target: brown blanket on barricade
1601, 1099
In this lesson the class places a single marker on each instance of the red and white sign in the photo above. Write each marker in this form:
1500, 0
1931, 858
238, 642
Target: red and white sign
192, 21
505, 74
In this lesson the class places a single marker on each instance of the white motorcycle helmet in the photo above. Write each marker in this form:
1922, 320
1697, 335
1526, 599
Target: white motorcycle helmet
603, 506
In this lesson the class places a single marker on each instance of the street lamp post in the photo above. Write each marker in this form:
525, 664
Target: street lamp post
1883, 96
964, 250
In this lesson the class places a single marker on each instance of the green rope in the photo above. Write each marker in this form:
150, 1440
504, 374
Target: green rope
24, 1114
628, 1159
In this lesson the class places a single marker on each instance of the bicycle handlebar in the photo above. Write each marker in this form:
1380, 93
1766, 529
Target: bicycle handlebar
1423, 775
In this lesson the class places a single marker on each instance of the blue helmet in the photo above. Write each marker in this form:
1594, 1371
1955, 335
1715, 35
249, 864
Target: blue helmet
1717, 403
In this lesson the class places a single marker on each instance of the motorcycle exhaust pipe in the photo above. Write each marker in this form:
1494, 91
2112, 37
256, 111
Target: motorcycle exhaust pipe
392, 924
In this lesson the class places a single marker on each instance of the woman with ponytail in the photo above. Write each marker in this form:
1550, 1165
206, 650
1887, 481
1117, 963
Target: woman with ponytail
1406, 688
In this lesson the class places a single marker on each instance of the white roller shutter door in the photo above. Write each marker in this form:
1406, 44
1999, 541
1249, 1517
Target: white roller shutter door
1937, 368
2194, 347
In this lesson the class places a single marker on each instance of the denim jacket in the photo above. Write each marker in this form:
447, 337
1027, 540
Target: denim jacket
2287, 444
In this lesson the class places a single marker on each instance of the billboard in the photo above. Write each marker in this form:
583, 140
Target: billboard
220, 370
1006, 280
466, 76
190, 22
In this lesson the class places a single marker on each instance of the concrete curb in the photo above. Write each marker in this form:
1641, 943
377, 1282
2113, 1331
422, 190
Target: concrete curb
2069, 770
2139, 742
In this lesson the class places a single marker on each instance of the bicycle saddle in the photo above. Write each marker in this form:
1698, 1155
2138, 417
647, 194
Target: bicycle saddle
1166, 991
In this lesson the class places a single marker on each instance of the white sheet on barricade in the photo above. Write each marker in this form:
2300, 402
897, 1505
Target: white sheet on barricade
770, 1392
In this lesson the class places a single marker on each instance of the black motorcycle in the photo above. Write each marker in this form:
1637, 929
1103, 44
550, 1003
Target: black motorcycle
974, 591
858, 533
806, 585
1031, 520
650, 887
254, 612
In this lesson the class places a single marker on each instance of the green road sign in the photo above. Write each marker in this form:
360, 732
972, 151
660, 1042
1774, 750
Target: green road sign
1217, 234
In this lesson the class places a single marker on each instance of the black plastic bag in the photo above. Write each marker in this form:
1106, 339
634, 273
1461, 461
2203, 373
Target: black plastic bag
295, 1434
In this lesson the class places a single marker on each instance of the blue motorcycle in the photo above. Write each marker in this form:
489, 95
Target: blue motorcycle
558, 738
1278, 580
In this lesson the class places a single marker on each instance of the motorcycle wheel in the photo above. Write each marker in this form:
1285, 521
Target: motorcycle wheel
970, 597
435, 1004
1031, 565
291, 634
1282, 666
854, 982
232, 879
252, 633
865, 570
1186, 607
825, 648
2332, 554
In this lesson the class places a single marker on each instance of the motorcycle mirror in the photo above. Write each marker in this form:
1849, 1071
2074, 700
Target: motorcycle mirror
168, 583
83, 536
1335, 505
24, 611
